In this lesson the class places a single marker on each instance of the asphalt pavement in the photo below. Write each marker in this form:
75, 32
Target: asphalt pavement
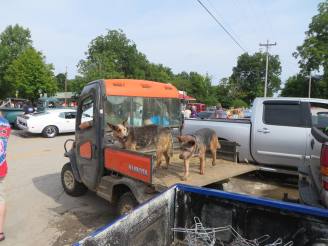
38, 210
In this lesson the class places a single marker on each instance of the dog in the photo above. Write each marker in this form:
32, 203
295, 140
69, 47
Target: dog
132, 138
196, 145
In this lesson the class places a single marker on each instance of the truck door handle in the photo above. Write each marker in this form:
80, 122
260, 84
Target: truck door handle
312, 143
263, 130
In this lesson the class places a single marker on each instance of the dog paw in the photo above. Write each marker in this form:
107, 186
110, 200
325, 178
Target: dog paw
165, 167
184, 178
213, 164
201, 172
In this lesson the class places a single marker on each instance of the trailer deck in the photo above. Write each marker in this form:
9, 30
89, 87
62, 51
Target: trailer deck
164, 178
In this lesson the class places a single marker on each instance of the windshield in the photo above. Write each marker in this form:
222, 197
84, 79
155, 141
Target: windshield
140, 111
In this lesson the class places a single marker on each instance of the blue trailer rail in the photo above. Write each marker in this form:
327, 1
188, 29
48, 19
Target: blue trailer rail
252, 217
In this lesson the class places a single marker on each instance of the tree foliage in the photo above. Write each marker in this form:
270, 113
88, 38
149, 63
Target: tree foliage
313, 53
30, 75
247, 79
113, 55
14, 40
60, 79
298, 86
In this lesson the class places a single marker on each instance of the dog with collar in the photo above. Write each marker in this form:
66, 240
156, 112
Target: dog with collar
133, 138
196, 145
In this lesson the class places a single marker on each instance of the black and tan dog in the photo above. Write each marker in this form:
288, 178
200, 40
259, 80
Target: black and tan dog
140, 137
196, 145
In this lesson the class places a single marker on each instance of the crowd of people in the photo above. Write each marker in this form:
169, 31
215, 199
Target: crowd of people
219, 112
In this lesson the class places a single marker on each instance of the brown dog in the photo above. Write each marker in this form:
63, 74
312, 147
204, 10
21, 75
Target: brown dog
140, 137
196, 145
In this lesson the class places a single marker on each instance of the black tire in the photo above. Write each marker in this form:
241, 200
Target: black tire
71, 186
50, 131
126, 203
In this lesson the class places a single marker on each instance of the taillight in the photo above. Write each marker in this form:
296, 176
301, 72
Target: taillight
325, 184
324, 160
324, 166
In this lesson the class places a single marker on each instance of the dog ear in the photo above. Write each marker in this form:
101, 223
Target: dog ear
192, 142
111, 126
125, 123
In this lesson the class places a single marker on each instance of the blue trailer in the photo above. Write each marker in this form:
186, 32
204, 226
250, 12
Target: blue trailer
172, 218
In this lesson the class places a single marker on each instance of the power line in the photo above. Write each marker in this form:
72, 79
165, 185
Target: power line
221, 25
220, 17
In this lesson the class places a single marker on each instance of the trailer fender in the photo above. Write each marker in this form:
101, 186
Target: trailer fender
72, 158
112, 187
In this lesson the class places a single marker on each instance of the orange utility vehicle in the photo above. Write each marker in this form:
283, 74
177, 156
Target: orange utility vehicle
118, 175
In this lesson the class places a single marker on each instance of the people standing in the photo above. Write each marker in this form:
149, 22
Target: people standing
187, 112
219, 112
4, 135
193, 112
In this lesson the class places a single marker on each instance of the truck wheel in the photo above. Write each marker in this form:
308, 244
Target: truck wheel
71, 186
126, 203
50, 131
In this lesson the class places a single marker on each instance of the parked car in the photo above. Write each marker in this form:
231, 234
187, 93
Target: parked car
208, 115
50, 122
278, 134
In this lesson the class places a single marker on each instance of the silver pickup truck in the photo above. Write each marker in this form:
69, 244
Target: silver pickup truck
313, 175
278, 134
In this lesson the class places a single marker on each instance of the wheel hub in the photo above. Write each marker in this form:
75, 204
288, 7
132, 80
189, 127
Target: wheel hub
69, 180
127, 209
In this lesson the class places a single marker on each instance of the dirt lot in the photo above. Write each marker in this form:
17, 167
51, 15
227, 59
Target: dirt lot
40, 213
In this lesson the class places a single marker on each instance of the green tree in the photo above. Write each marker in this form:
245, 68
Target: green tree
247, 79
298, 86
60, 79
113, 56
13, 41
31, 75
158, 72
224, 93
313, 53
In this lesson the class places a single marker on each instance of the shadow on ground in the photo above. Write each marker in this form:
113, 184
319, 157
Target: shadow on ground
78, 216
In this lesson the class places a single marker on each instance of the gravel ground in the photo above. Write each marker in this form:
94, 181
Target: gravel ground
40, 213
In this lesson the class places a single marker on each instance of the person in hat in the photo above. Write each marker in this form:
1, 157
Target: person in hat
219, 112
4, 135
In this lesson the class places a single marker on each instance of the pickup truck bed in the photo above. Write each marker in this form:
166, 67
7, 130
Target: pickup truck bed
223, 170
157, 221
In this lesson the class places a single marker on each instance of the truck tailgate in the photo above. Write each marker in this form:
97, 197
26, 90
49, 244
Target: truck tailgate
223, 169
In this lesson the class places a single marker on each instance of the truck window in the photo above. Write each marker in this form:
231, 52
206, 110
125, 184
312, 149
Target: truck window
283, 115
319, 115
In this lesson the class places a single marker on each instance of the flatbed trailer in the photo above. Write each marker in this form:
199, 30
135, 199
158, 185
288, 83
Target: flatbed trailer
186, 215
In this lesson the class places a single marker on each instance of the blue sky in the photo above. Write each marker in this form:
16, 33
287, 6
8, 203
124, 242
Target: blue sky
178, 34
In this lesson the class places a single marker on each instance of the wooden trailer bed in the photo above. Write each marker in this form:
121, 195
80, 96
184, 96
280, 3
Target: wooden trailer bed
164, 178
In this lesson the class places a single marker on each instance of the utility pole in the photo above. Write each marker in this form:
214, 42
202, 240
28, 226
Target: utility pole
310, 85
66, 86
267, 45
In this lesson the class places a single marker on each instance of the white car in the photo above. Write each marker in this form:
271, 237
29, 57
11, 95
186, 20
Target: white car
50, 122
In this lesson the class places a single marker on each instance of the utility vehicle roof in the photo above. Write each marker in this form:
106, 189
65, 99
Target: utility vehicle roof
139, 88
